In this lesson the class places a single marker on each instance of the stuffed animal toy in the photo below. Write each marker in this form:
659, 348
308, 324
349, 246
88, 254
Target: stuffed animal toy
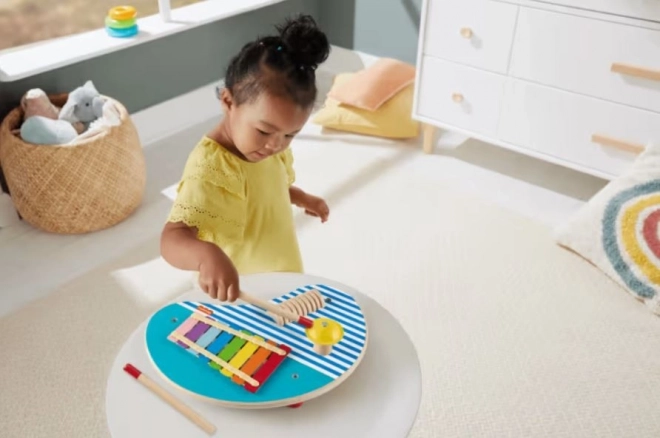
42, 130
36, 103
46, 124
40, 121
111, 117
84, 104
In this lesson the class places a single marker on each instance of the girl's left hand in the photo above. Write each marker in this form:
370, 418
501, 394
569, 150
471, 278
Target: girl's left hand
315, 206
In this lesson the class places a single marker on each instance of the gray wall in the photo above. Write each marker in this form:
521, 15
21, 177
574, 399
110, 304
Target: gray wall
150, 73
381, 27
167, 67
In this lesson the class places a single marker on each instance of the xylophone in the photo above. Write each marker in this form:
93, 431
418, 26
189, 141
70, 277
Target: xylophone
249, 355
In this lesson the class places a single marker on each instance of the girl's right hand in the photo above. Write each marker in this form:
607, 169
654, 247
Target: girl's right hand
218, 276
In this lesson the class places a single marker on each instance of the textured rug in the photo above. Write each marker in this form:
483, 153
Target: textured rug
516, 336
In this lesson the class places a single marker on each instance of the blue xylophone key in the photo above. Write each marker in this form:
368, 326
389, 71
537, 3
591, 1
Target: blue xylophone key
218, 344
205, 340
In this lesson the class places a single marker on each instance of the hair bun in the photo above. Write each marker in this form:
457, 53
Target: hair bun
306, 44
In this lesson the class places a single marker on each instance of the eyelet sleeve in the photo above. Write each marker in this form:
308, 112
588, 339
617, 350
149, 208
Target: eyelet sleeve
287, 160
211, 197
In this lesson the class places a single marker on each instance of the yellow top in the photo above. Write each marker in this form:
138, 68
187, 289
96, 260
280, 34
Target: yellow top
325, 331
242, 207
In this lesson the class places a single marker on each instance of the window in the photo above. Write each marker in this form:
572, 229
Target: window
40, 35
25, 22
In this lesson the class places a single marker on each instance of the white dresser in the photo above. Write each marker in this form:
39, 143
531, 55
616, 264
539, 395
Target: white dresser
573, 82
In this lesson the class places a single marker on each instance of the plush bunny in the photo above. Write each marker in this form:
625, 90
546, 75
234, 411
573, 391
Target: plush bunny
36, 103
84, 104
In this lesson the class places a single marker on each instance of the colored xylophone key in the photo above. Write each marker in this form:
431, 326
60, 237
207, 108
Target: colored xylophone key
256, 361
242, 356
219, 343
230, 350
183, 329
267, 368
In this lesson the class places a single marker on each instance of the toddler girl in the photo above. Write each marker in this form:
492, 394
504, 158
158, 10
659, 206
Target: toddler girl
233, 210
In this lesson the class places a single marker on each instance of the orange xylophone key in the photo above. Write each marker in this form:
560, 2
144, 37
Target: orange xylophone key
254, 362
264, 372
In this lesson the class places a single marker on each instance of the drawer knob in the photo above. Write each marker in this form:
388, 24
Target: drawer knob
617, 144
466, 32
457, 97
639, 72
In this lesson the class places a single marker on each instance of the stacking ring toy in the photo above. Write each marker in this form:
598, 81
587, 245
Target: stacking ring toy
122, 33
122, 12
121, 23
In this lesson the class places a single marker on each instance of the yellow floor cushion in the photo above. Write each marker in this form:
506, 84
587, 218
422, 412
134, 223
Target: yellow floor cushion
391, 120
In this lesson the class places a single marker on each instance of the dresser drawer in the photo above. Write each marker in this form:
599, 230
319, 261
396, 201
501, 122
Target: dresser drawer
580, 54
641, 9
590, 132
460, 96
472, 32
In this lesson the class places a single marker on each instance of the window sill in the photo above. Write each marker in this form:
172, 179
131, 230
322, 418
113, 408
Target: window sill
49, 55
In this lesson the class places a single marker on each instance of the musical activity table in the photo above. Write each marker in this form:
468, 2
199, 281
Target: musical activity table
209, 355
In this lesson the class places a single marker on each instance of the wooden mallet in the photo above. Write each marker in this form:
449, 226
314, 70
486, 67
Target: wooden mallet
324, 333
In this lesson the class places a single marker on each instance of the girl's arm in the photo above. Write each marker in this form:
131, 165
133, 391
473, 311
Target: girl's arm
298, 196
313, 205
181, 248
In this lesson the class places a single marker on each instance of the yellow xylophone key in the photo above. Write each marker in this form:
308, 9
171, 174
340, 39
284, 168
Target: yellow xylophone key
241, 357
255, 361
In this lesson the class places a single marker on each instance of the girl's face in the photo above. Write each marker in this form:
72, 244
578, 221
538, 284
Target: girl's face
264, 126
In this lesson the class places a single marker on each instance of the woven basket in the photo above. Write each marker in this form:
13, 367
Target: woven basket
74, 189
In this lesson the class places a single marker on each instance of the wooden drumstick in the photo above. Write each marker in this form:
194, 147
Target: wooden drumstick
177, 404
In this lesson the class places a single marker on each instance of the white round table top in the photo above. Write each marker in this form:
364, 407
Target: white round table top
380, 399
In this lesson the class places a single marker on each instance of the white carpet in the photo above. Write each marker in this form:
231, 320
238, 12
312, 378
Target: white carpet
516, 336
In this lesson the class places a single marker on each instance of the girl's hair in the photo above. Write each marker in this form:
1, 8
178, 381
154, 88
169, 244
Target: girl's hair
283, 65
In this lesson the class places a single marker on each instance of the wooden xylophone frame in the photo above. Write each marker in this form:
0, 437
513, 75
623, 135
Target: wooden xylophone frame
251, 363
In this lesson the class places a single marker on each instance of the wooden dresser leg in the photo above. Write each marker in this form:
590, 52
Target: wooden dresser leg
428, 136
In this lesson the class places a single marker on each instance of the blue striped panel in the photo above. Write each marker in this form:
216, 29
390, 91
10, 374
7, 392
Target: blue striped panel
335, 305
339, 304
336, 295
355, 319
345, 347
351, 341
357, 341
